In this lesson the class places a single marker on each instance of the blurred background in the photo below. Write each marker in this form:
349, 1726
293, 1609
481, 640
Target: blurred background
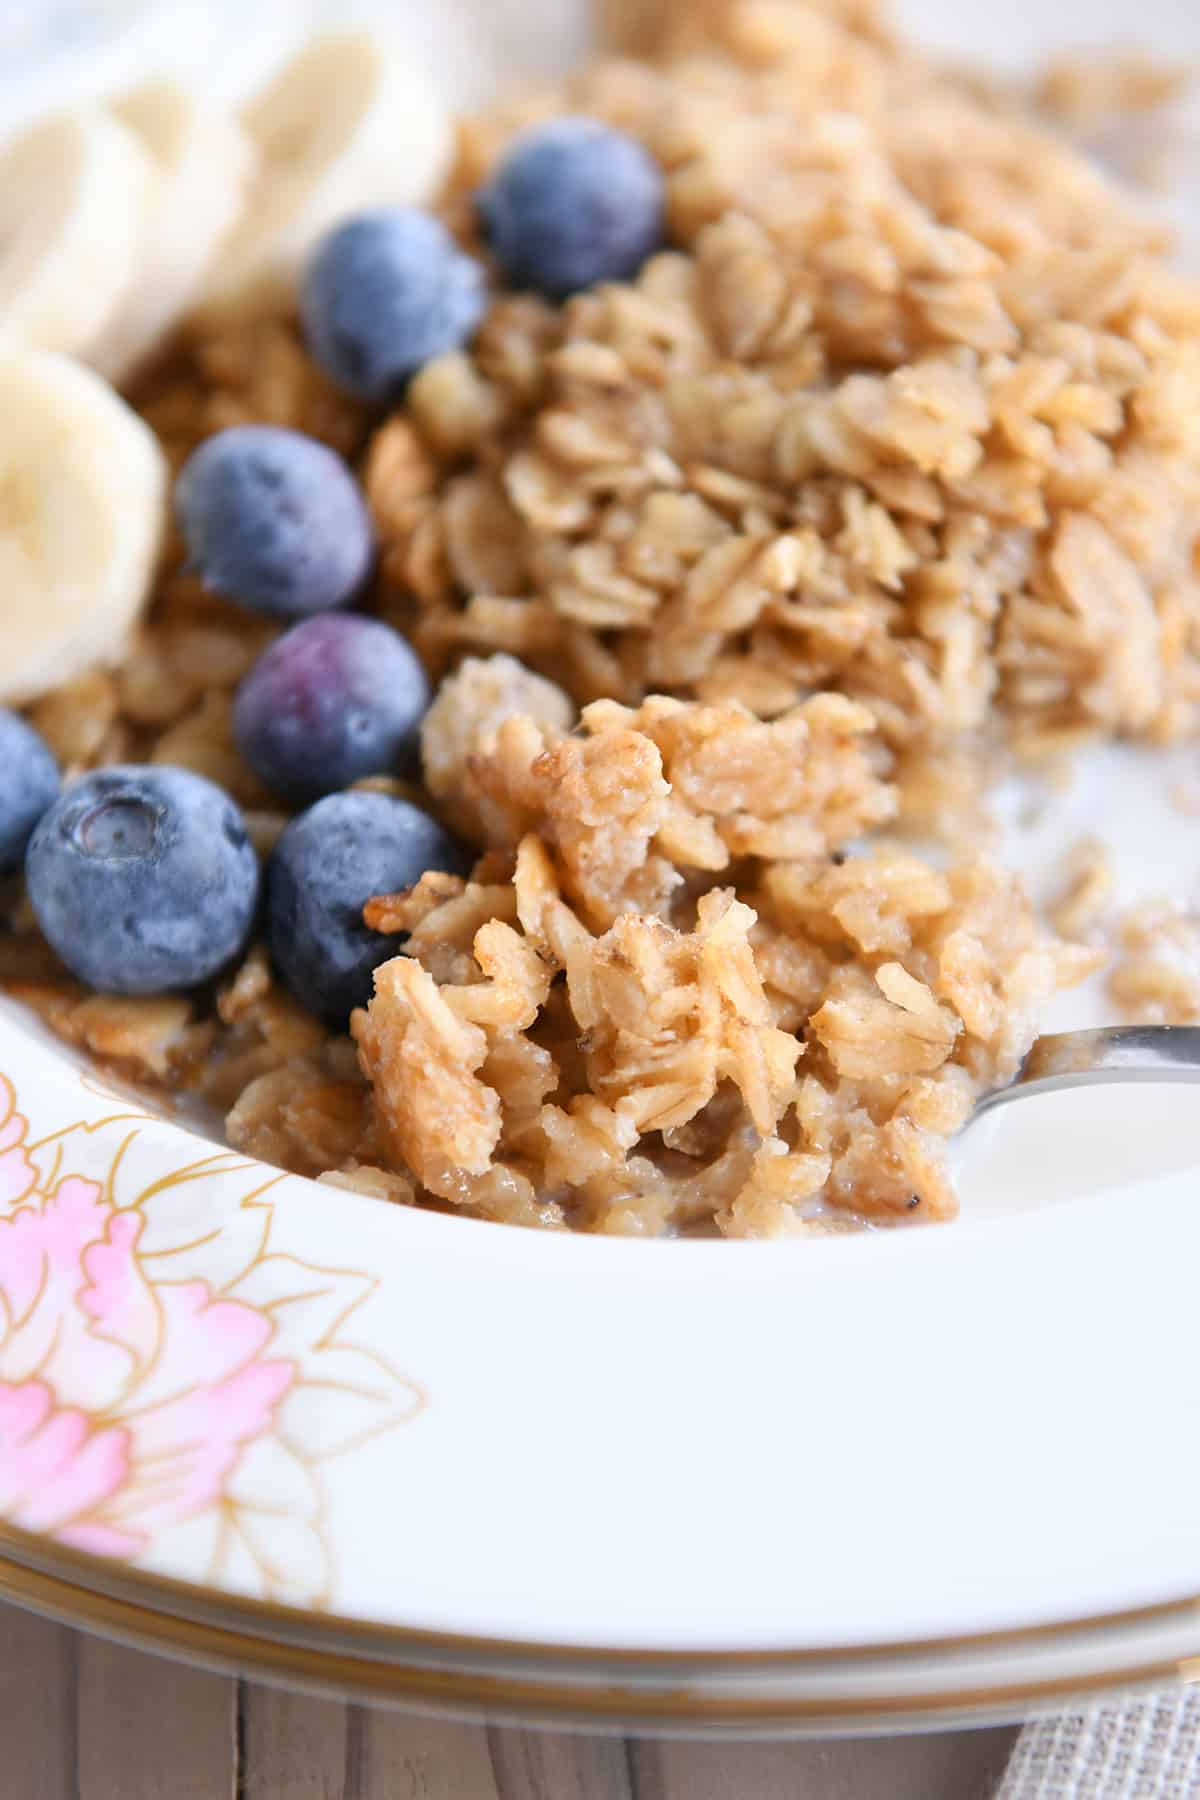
52, 49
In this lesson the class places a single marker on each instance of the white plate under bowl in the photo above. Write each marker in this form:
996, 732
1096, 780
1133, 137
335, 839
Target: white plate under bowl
845, 1483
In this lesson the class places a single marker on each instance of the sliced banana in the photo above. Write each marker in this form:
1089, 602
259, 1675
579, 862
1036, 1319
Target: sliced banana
75, 191
344, 125
83, 487
204, 160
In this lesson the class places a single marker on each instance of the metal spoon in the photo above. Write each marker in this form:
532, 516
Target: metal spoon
1113, 1053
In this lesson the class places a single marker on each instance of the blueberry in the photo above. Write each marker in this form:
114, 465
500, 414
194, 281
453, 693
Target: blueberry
28, 785
573, 203
143, 878
325, 867
274, 519
386, 293
332, 700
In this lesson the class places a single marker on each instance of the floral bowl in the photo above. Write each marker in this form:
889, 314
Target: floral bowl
841, 1482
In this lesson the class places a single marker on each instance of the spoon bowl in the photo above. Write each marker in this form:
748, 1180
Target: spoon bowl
1110, 1054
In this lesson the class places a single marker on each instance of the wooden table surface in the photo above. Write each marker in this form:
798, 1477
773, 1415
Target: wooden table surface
84, 1720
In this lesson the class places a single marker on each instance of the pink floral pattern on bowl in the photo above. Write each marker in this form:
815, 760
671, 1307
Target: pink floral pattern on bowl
159, 1380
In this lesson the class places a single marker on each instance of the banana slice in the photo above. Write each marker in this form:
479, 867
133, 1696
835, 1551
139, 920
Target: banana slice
74, 195
344, 125
83, 487
204, 161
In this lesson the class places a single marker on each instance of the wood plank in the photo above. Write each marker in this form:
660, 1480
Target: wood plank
548, 1765
82, 1720
952, 1765
148, 1728
390, 1756
293, 1747
38, 1675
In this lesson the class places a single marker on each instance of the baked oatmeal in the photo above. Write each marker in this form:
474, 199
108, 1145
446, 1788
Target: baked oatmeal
741, 538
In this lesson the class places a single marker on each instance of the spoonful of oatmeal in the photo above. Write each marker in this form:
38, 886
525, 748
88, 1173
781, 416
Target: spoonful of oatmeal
1074, 1139
1109, 1054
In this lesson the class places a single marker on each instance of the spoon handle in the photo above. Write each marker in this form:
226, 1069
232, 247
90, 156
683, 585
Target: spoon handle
1112, 1053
